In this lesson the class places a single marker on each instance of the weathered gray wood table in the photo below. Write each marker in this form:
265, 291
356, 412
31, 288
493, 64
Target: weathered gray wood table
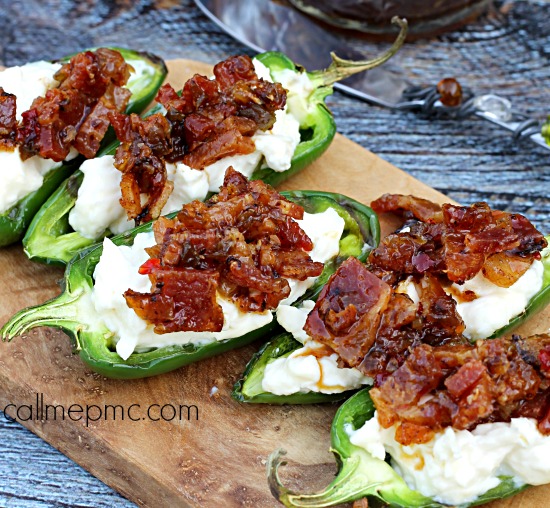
506, 53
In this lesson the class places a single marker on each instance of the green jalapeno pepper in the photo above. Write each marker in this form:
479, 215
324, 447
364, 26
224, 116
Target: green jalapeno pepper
361, 475
144, 85
50, 238
94, 341
249, 387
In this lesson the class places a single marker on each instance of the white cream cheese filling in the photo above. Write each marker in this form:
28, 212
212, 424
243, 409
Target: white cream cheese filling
117, 271
495, 306
457, 466
274, 147
303, 371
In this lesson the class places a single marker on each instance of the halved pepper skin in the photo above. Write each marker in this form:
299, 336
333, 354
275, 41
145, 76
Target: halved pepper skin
50, 238
249, 387
361, 475
15, 221
94, 342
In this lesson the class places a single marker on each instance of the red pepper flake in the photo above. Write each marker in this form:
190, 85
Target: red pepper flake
149, 266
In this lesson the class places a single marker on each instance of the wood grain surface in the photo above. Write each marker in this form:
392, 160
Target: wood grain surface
505, 52
219, 459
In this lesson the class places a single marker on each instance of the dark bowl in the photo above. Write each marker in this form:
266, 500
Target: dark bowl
426, 17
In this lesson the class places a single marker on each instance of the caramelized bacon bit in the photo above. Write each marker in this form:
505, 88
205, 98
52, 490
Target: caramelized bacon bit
76, 113
348, 311
459, 386
215, 118
140, 157
535, 350
373, 327
456, 241
94, 127
187, 301
408, 206
504, 268
8, 121
240, 244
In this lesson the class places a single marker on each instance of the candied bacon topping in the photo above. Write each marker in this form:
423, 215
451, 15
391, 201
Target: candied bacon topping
373, 326
140, 158
408, 206
348, 311
463, 386
456, 241
8, 121
241, 244
215, 118
76, 112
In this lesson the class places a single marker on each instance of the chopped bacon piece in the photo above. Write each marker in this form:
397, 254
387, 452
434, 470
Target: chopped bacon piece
218, 146
460, 386
226, 238
139, 157
235, 69
408, 433
94, 127
535, 351
348, 311
465, 378
419, 375
408, 206
76, 113
456, 241
216, 118
186, 302
440, 320
8, 121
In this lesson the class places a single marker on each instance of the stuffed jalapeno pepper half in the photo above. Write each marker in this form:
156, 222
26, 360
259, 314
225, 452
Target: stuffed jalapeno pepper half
53, 113
266, 117
208, 280
454, 425
450, 274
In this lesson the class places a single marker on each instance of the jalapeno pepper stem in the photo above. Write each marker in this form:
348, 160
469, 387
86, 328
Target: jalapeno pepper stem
340, 69
350, 484
59, 312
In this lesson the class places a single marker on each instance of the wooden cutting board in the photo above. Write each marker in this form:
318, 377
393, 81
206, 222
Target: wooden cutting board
218, 460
